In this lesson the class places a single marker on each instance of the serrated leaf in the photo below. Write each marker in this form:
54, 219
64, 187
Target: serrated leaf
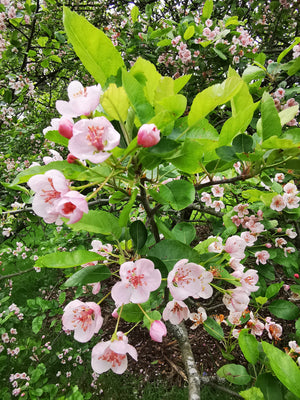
115, 102
138, 233
189, 33
67, 259
90, 274
249, 346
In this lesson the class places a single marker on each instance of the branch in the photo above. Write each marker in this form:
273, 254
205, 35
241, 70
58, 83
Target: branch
223, 181
181, 335
150, 213
205, 210
31, 35
16, 274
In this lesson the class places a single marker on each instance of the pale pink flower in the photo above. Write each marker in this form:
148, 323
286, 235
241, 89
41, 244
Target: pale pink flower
218, 205
235, 246
175, 312
217, 246
279, 242
274, 330
63, 125
291, 233
49, 188
72, 205
237, 300
206, 198
102, 249
290, 188
248, 280
262, 257
288, 250
256, 327
235, 333
112, 355
198, 318
157, 331
237, 167
294, 346
83, 318
189, 279
278, 203
138, 279
241, 209
235, 317
208, 23
55, 157
279, 177
236, 265
236, 220
291, 201
249, 238
82, 101
148, 135
92, 139
255, 227
217, 191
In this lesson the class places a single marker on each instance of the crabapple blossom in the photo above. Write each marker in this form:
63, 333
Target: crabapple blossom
217, 191
175, 312
248, 280
56, 157
112, 355
236, 265
294, 346
278, 203
206, 198
138, 279
72, 205
262, 257
256, 327
218, 205
291, 233
63, 125
198, 318
241, 209
82, 101
237, 300
274, 330
235, 246
291, 201
189, 279
49, 188
92, 139
249, 238
148, 135
83, 318
217, 246
157, 331
235, 317
279, 177
290, 188
279, 242
288, 250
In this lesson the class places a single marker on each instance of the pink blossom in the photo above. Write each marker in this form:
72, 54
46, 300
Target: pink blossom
237, 300
55, 157
257, 327
235, 246
294, 346
288, 250
241, 209
157, 331
274, 330
148, 135
279, 177
176, 311
218, 205
189, 279
49, 188
236, 265
291, 201
290, 188
83, 318
279, 242
138, 279
249, 238
92, 139
291, 233
72, 205
248, 280
217, 191
82, 101
217, 246
206, 198
262, 257
198, 318
63, 125
235, 317
112, 355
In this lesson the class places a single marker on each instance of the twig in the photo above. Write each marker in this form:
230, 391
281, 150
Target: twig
223, 181
16, 274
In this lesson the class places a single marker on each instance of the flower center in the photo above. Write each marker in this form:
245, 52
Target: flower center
83, 316
50, 195
95, 137
113, 358
68, 208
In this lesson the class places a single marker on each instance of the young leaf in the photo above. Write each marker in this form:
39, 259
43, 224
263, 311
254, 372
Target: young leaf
90, 274
67, 259
92, 46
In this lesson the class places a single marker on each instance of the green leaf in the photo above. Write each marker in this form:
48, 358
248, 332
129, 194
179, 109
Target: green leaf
284, 309
124, 215
234, 373
147, 75
270, 386
253, 393
252, 73
92, 46
171, 251
184, 232
178, 194
98, 222
215, 95
207, 9
226, 153
270, 121
42, 40
90, 274
273, 289
56, 137
61, 298
115, 102
189, 33
284, 52
164, 42
37, 323
249, 346
242, 144
283, 366
67, 259
288, 114
213, 328
138, 233
134, 12
132, 313
219, 53
135, 93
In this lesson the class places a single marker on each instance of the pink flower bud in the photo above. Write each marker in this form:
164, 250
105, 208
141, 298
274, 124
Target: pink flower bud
296, 276
115, 314
157, 331
65, 128
268, 245
71, 159
148, 135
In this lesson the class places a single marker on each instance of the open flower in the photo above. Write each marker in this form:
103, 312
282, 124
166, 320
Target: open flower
112, 355
262, 257
138, 279
235, 246
83, 318
198, 318
92, 139
176, 311
82, 101
189, 279
72, 205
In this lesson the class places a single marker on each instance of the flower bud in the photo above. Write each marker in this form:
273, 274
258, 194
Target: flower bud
65, 128
71, 159
148, 135
296, 276
157, 331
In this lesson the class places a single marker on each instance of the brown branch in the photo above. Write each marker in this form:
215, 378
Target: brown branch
205, 210
31, 35
150, 213
223, 181
16, 274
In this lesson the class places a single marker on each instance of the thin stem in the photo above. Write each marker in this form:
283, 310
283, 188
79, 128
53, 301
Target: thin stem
103, 298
